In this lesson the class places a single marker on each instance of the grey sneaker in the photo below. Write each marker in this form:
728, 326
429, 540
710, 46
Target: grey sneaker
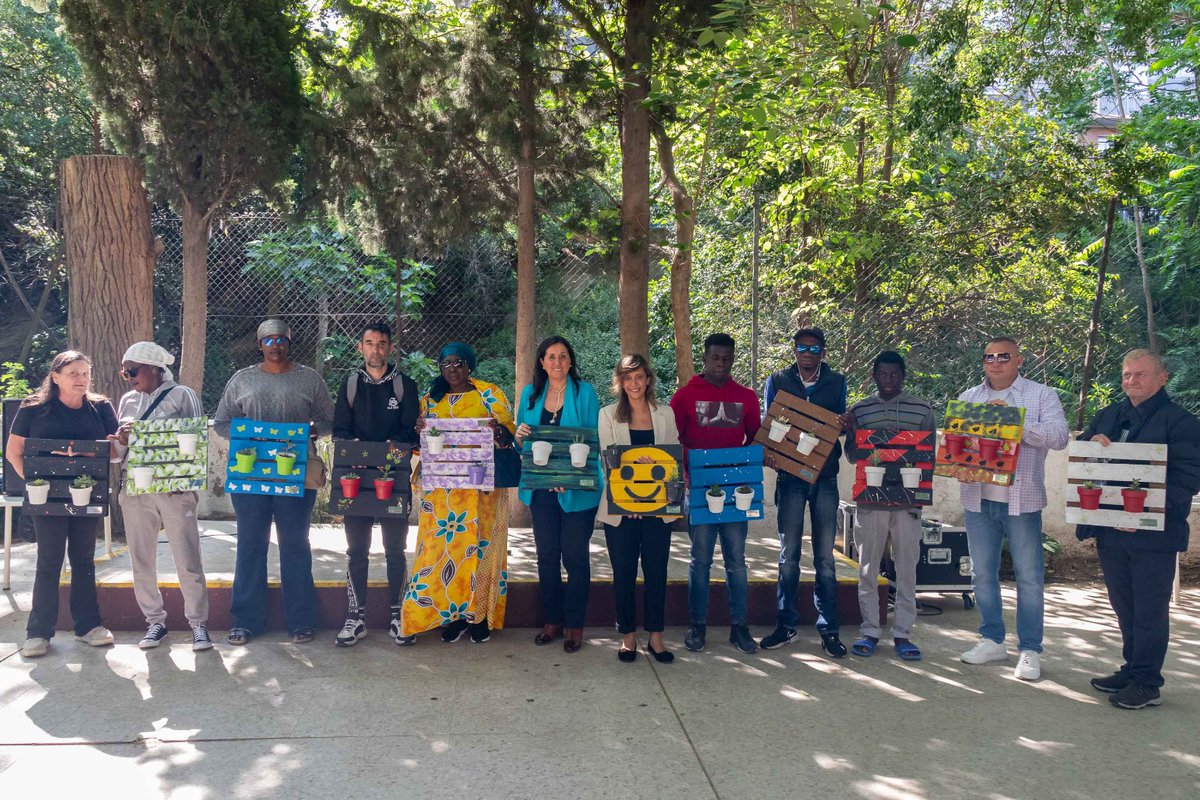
35, 647
739, 637
98, 636
154, 636
1135, 696
694, 640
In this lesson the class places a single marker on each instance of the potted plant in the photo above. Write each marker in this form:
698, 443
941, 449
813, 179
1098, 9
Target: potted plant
541, 452
988, 448
476, 474
743, 498
1089, 496
674, 485
579, 451
874, 473
1134, 497
910, 477
715, 497
245, 459
434, 440
385, 483
806, 443
81, 490
779, 429
351, 482
187, 438
143, 477
955, 443
285, 460
37, 491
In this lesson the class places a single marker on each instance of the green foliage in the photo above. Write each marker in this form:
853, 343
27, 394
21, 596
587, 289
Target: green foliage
12, 381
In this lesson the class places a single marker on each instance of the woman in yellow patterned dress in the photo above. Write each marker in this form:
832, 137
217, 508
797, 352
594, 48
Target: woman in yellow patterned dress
459, 578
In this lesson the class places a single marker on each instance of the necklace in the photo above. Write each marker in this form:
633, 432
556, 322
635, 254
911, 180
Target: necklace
550, 390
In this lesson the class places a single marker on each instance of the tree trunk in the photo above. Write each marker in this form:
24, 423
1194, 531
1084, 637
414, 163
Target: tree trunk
635, 178
322, 332
526, 227
110, 257
1089, 355
1147, 295
196, 222
681, 261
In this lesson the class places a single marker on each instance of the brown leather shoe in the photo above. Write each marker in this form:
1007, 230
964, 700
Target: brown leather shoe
549, 634
572, 639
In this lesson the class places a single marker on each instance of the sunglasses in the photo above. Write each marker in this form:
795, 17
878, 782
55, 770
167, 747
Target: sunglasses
992, 358
132, 372
815, 349
456, 363
271, 341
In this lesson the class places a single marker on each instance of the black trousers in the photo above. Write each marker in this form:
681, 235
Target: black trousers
648, 538
358, 545
77, 538
1139, 588
562, 539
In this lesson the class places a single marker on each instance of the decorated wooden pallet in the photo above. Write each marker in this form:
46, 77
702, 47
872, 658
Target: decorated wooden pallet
255, 466
792, 426
980, 443
467, 456
651, 489
728, 468
560, 471
59, 462
1112, 469
367, 461
174, 452
893, 451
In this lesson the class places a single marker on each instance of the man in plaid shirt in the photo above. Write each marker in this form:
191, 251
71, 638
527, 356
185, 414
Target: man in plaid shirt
991, 513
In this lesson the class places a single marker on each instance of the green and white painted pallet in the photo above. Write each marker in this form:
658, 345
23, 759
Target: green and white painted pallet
155, 443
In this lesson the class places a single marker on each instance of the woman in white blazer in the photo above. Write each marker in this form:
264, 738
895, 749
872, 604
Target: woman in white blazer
637, 419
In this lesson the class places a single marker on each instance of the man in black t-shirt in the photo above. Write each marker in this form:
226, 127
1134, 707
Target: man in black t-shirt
376, 403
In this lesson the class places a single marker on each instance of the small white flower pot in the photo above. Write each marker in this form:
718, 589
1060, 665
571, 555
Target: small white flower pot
434, 443
541, 453
187, 443
716, 502
143, 477
875, 475
80, 497
579, 454
37, 495
778, 431
806, 443
911, 476
743, 500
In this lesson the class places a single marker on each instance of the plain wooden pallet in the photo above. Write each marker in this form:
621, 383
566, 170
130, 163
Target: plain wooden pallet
803, 417
1112, 468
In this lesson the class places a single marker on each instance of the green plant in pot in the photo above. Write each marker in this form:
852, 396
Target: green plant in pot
81, 490
285, 460
385, 483
715, 497
245, 459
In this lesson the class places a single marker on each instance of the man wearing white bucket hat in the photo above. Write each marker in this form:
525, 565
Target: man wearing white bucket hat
154, 394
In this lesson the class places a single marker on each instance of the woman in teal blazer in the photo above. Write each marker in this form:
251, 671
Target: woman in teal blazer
563, 520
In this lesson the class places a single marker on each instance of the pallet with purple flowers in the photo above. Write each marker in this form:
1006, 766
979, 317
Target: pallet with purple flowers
458, 454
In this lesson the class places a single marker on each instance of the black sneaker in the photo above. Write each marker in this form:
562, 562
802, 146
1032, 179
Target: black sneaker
353, 630
154, 636
396, 632
200, 639
694, 640
1111, 684
739, 637
832, 645
778, 638
479, 632
1135, 696
454, 631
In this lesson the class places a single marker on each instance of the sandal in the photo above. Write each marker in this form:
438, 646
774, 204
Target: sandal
239, 636
907, 651
864, 647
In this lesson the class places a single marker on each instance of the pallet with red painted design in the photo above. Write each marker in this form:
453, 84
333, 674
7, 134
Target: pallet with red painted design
980, 443
788, 432
897, 451
1111, 469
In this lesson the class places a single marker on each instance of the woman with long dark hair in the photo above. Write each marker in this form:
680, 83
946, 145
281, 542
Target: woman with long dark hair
563, 520
63, 407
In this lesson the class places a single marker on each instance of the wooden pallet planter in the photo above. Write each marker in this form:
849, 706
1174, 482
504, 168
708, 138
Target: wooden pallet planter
975, 421
155, 443
1112, 469
653, 489
267, 439
896, 449
729, 468
89, 457
801, 416
466, 443
366, 459
560, 473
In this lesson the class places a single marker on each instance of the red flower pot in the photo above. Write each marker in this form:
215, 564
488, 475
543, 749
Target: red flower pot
350, 487
1089, 499
988, 448
383, 489
1134, 499
955, 442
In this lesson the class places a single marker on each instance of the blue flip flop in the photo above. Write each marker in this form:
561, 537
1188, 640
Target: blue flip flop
865, 647
907, 651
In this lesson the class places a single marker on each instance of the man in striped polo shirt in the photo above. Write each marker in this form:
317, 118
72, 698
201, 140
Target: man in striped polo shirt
890, 408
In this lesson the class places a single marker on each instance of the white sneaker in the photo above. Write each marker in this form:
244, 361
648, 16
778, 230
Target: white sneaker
35, 646
396, 632
351, 632
98, 636
1029, 666
985, 651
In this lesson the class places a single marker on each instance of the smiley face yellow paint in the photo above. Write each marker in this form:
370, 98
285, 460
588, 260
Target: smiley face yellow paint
640, 488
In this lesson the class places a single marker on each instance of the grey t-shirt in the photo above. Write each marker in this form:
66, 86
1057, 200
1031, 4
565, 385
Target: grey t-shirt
298, 395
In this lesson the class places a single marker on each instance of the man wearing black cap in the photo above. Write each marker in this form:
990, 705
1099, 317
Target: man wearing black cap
812, 379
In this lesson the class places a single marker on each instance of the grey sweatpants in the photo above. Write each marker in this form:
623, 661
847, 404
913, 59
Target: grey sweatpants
145, 516
872, 527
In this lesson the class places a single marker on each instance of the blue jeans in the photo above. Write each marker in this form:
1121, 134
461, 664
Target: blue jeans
248, 604
733, 549
822, 500
986, 530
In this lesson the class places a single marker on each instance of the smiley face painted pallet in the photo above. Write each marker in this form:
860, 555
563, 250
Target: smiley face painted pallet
644, 480
980, 443
263, 474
